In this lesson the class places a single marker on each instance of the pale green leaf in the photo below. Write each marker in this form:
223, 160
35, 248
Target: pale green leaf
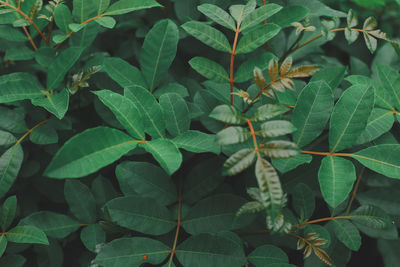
125, 6
227, 114
107, 22
370, 42
280, 149
276, 128
209, 69
100, 5
27, 234
239, 161
232, 135
269, 111
288, 164
371, 216
218, 15
390, 80
257, 37
239, 12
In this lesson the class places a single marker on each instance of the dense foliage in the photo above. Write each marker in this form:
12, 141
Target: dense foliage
208, 133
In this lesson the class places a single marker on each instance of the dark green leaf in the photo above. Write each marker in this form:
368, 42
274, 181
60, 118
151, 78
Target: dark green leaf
7, 212
123, 73
303, 201
347, 233
56, 103
125, 6
27, 234
288, 15
92, 236
176, 113
10, 164
371, 216
379, 122
80, 201
268, 255
19, 86
63, 17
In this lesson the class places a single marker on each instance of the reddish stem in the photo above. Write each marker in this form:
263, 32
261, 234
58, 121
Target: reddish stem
30, 38
321, 220
353, 196
178, 223
28, 132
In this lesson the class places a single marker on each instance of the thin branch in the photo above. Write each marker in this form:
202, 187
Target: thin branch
28, 132
178, 223
321, 220
30, 38
353, 196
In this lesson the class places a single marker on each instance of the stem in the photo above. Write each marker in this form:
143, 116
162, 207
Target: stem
290, 50
322, 220
253, 134
328, 154
27, 18
30, 38
353, 196
178, 223
233, 52
28, 132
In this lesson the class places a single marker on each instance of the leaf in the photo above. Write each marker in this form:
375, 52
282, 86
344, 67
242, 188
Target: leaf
176, 113
347, 233
92, 236
280, 149
197, 142
10, 164
62, 17
336, 177
390, 80
61, 65
19, 86
123, 73
100, 5
284, 165
208, 35
56, 103
44, 135
53, 224
276, 128
107, 22
333, 76
203, 219
89, 151
82, 10
27, 234
245, 71
312, 111
3, 244
351, 35
232, 135
172, 87
158, 52
153, 115
125, 111
379, 122
384, 198
303, 201
146, 180
370, 42
8, 212
286, 16
257, 37
166, 153
131, 252
371, 216
258, 15
14, 260
12, 34
209, 69
268, 255
382, 159
125, 6
269, 111
211, 251
228, 114
80, 200
239, 161
218, 15
141, 214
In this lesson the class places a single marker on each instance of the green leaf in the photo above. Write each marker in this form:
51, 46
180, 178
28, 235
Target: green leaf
389, 249
371, 216
383, 159
63, 17
61, 65
153, 115
158, 52
125, 111
201, 218
232, 135
390, 80
218, 15
146, 180
269, 111
80, 200
89, 151
303, 201
19, 86
379, 122
385, 198
10, 164
131, 252
257, 37
286, 16
44, 135
268, 255
82, 9
176, 113
53, 224
287, 164
208, 35
3, 244
227, 114
245, 71
239, 161
100, 5
211, 251
197, 142
166, 153
280, 149
92, 236
14, 260
239, 12
336, 177
125, 6
209, 69
259, 15
56, 103
333, 76
347, 233
19, 53
12, 34
172, 87
103, 190
27, 234
312, 112
319, 9
370, 42
123, 73
107, 22
7, 212
276, 128
141, 214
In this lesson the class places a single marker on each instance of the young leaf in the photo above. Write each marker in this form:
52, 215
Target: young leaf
197, 142
258, 15
7, 212
371, 216
257, 37
89, 151
80, 200
227, 114
218, 15
123, 73
239, 161
107, 22
27, 234
269, 111
269, 255
141, 214
208, 35
276, 128
158, 52
370, 42
232, 135
347, 233
10, 164
280, 149
352, 20
209, 69
125, 111
131, 251
312, 112
245, 71
336, 177
125, 6
166, 153
349, 117
176, 113
55, 103
19, 86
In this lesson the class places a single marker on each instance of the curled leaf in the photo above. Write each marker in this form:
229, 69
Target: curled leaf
303, 71
259, 77
323, 256
286, 65
273, 69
